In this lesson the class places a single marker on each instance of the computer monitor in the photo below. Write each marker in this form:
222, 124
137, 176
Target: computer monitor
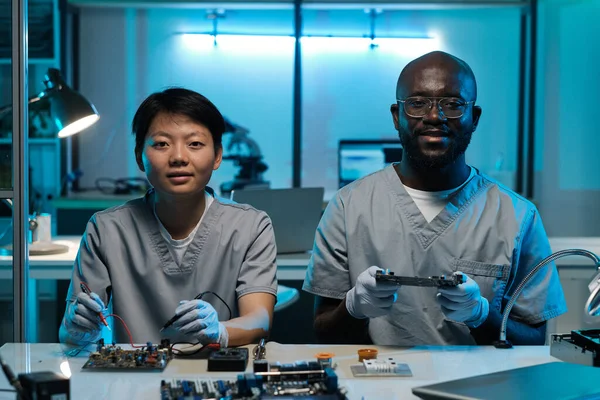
359, 158
294, 213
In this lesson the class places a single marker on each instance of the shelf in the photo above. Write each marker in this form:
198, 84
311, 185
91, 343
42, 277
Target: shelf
32, 61
31, 141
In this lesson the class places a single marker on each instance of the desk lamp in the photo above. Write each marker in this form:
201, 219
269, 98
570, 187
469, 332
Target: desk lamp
71, 113
592, 306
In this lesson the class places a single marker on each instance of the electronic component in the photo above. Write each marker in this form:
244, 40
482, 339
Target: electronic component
325, 359
234, 359
367, 354
260, 365
434, 281
578, 347
260, 351
45, 386
308, 380
375, 367
114, 358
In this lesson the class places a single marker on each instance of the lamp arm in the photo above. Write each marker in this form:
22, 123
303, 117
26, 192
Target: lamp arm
7, 108
503, 343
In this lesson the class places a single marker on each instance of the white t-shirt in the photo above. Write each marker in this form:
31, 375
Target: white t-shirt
177, 247
432, 203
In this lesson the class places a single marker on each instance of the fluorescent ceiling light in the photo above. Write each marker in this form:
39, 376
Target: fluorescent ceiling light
239, 43
274, 44
405, 46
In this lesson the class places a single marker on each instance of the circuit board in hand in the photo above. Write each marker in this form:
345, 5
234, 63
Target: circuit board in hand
432, 281
113, 358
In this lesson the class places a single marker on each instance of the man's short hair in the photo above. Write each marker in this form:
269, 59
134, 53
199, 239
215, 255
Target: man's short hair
177, 101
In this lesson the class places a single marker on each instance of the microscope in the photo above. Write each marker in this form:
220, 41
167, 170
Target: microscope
246, 154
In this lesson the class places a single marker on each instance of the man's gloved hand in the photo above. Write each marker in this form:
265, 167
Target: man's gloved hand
464, 303
369, 298
200, 320
81, 320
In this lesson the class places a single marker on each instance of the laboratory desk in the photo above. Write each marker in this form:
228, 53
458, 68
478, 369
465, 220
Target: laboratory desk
428, 365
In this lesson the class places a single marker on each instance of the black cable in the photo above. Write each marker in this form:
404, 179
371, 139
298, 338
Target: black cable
8, 390
198, 297
181, 353
218, 297
13, 380
184, 354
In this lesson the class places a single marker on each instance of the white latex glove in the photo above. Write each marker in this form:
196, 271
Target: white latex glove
200, 320
369, 298
464, 303
81, 320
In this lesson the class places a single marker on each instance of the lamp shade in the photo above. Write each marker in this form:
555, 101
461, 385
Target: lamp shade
70, 111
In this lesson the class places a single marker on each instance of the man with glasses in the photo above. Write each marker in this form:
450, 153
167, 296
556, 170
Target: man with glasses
431, 214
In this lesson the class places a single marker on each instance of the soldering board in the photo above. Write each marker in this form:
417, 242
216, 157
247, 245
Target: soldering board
113, 358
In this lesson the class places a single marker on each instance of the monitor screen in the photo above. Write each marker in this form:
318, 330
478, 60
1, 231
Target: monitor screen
359, 158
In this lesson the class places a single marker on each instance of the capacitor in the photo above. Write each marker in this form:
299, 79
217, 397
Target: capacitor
367, 354
325, 359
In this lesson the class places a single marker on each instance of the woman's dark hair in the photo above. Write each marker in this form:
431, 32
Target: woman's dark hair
182, 102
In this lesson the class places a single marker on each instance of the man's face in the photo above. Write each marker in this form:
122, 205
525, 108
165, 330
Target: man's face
434, 140
178, 155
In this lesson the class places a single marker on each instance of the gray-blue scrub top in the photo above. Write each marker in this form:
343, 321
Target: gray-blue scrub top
486, 231
124, 258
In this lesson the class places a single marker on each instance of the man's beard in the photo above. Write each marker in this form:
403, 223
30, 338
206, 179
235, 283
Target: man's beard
458, 146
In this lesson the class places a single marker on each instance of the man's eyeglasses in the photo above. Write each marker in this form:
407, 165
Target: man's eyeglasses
451, 107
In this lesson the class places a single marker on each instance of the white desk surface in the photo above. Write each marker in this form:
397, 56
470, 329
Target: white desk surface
59, 266
428, 365
290, 266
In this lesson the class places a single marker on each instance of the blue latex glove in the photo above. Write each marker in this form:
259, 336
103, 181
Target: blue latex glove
369, 298
81, 319
200, 320
464, 303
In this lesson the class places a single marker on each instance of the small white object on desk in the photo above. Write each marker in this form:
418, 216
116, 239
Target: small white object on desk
42, 244
387, 367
